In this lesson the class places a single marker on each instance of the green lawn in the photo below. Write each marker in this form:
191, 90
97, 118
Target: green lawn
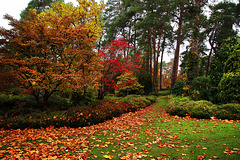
146, 134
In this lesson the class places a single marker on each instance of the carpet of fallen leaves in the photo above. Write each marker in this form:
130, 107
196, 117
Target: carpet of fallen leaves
57, 143
78, 143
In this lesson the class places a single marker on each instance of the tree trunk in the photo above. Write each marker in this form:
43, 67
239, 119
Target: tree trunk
36, 96
212, 47
208, 62
195, 42
153, 61
149, 52
161, 63
177, 51
46, 96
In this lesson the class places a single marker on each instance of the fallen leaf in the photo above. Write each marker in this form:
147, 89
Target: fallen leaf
108, 156
163, 154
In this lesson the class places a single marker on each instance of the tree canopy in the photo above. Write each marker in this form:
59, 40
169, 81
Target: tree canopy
53, 51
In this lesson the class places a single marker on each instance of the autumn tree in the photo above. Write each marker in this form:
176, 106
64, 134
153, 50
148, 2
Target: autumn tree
53, 51
128, 84
39, 5
115, 64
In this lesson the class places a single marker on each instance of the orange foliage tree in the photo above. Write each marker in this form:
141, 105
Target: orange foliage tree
53, 50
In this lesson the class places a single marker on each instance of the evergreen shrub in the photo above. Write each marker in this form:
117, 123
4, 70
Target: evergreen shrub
233, 62
76, 116
201, 85
145, 80
164, 92
229, 88
202, 110
228, 111
178, 88
180, 106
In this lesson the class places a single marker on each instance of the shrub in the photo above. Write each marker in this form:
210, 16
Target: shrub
139, 101
128, 84
57, 102
79, 116
229, 88
151, 98
34, 120
228, 111
196, 109
178, 88
180, 106
145, 80
11, 102
219, 60
202, 110
14, 105
213, 95
164, 92
79, 98
177, 110
178, 100
201, 86
233, 62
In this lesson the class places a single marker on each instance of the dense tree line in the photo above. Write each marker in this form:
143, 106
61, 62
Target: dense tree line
152, 26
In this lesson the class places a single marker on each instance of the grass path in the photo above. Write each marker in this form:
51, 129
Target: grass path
146, 134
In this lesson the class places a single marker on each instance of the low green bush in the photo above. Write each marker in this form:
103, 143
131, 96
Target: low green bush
180, 106
139, 101
79, 98
202, 110
151, 98
34, 120
17, 104
79, 116
228, 111
164, 92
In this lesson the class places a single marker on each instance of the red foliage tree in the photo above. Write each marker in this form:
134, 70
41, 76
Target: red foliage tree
116, 62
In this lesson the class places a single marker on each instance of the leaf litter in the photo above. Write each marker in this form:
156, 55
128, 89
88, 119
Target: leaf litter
137, 135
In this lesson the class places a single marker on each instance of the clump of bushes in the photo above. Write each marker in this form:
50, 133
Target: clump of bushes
19, 104
228, 111
202, 109
98, 112
78, 116
140, 101
164, 92
180, 106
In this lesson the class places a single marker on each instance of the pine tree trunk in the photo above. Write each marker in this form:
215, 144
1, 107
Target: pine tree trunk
195, 42
177, 51
161, 63
153, 61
